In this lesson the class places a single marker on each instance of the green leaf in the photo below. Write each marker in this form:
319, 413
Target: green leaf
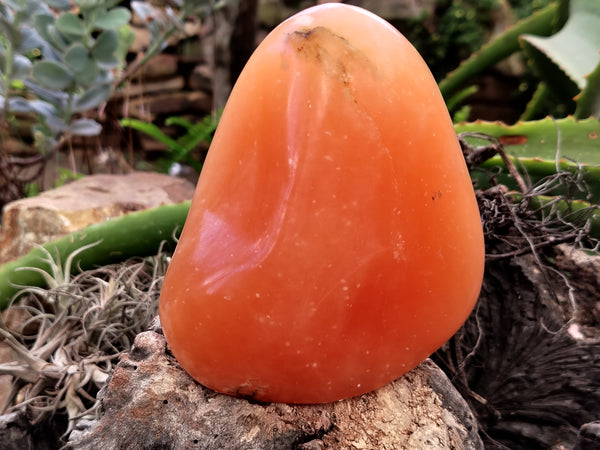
180, 122
535, 106
32, 41
140, 233
53, 96
578, 140
542, 22
44, 109
457, 99
60, 5
113, 19
541, 148
21, 67
76, 57
11, 32
41, 22
105, 46
153, 131
572, 53
57, 38
52, 75
85, 127
19, 105
126, 39
92, 98
588, 102
87, 4
88, 75
70, 24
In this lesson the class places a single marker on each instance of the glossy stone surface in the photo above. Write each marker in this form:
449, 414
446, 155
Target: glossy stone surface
334, 240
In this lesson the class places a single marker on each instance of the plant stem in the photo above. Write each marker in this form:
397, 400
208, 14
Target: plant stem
541, 23
140, 233
575, 212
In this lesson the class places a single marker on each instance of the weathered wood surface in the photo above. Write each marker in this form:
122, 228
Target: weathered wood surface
528, 358
150, 402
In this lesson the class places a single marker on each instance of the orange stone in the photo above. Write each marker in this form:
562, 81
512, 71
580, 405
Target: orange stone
334, 240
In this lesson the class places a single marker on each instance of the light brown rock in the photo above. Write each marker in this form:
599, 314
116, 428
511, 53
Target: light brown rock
95, 198
150, 402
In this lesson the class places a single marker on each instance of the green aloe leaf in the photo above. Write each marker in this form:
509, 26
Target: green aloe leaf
52, 75
588, 102
541, 148
542, 22
139, 233
578, 140
564, 59
113, 19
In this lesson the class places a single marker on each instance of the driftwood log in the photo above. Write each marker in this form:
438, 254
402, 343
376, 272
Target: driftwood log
528, 359
150, 402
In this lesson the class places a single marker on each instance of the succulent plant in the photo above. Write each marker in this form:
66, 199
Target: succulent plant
57, 62
70, 335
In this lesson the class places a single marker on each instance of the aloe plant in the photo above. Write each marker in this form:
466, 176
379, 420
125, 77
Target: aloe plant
542, 148
561, 43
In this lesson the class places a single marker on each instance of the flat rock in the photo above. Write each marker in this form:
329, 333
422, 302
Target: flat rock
33, 221
151, 402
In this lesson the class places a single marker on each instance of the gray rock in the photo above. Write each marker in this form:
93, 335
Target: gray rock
150, 402
52, 214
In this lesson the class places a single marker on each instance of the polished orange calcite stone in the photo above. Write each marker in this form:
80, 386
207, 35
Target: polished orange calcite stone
334, 240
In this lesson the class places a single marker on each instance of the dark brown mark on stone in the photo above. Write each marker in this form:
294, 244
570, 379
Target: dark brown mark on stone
337, 56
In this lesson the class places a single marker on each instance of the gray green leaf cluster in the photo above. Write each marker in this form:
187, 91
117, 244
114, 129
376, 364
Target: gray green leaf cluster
57, 59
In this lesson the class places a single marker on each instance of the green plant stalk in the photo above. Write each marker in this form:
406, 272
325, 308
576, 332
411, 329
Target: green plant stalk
575, 212
533, 107
136, 234
588, 100
7, 80
541, 23
154, 49
540, 149
535, 170
577, 140
457, 99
